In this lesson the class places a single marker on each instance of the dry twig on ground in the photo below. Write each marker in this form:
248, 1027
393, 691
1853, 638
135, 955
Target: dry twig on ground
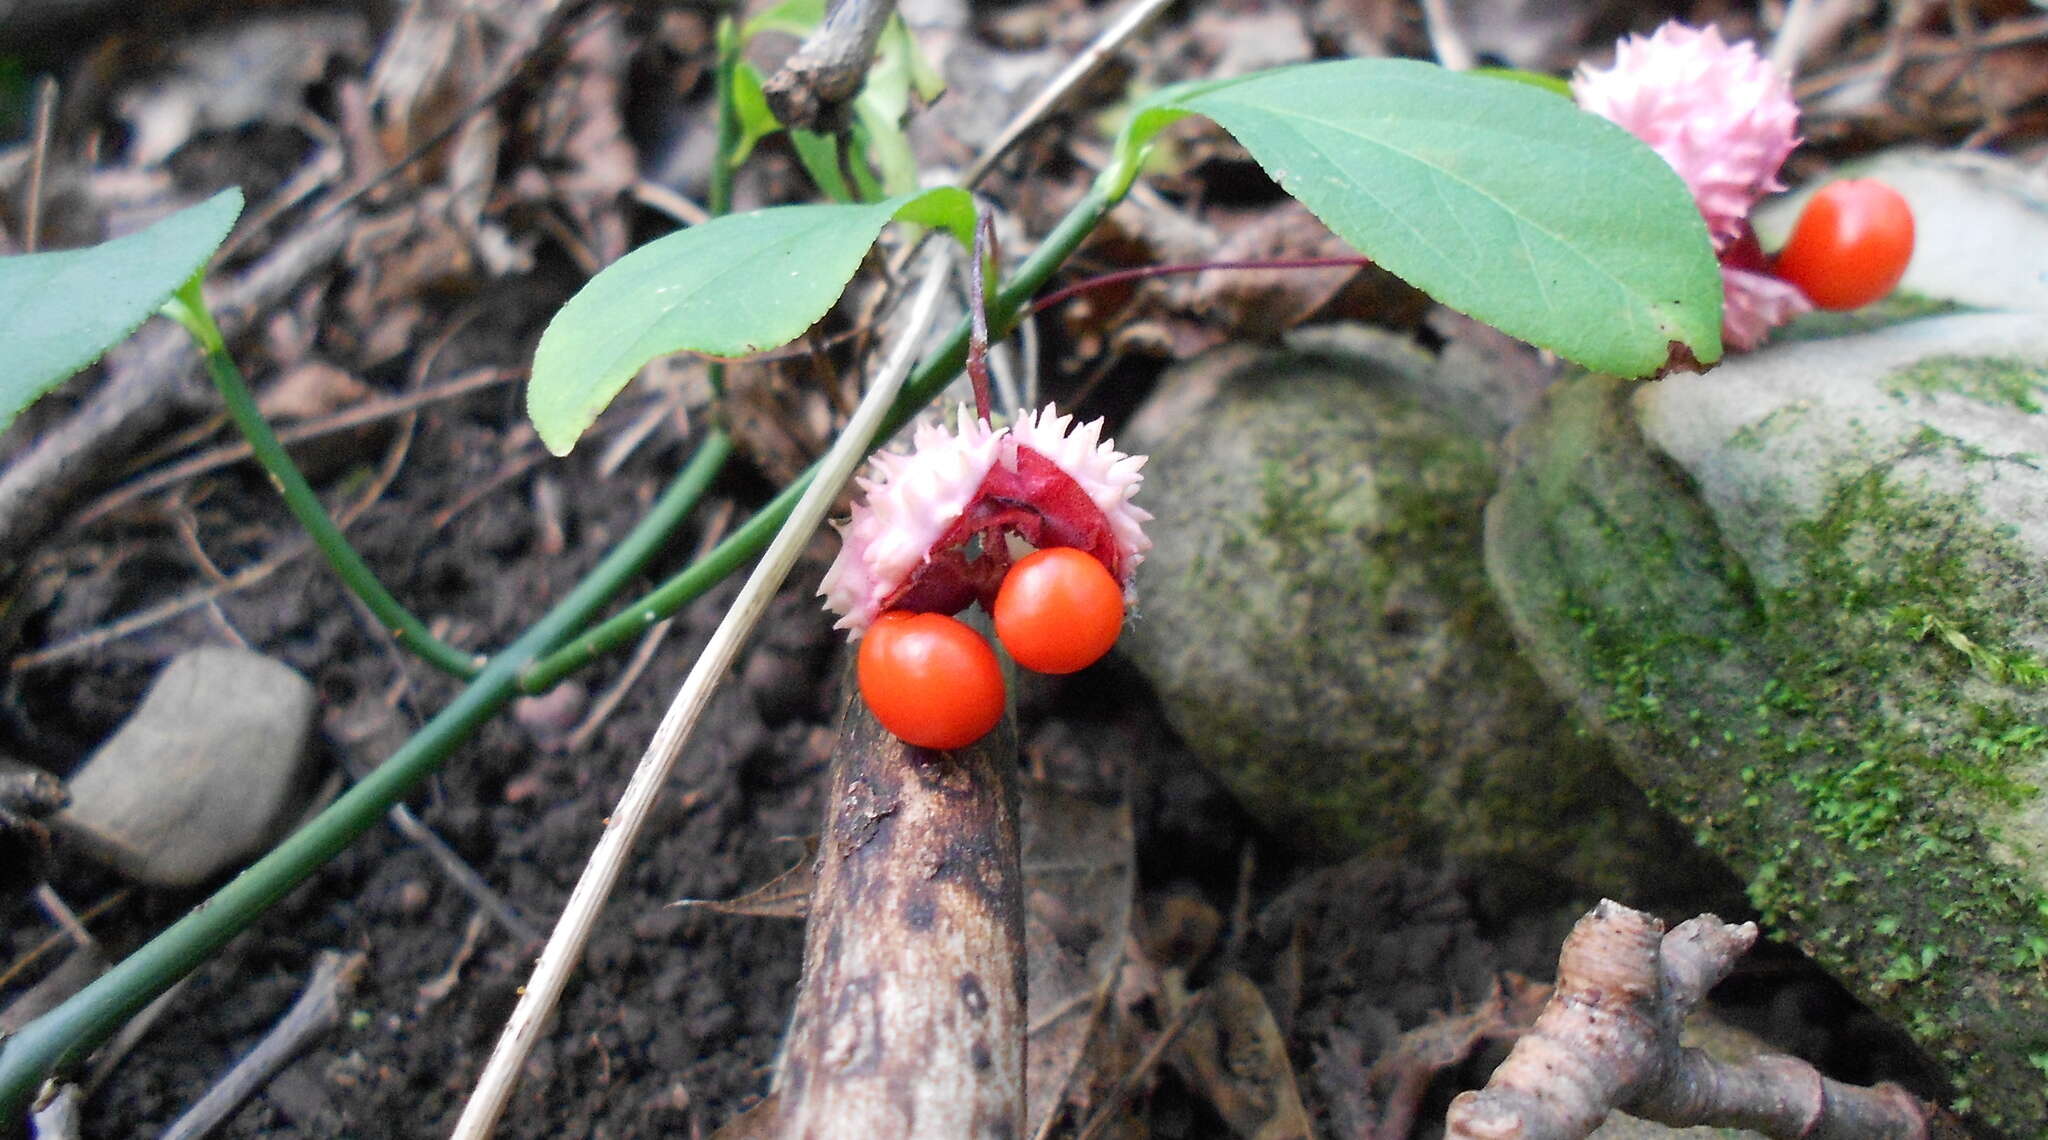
1609, 1039
316, 1011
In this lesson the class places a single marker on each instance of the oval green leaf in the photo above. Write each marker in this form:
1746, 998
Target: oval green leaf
793, 17
1542, 81
60, 311
1496, 198
750, 108
731, 287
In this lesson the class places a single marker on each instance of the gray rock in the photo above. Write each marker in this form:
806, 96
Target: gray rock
202, 776
1315, 617
1806, 595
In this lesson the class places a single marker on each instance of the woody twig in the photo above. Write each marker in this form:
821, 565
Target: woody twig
1609, 1039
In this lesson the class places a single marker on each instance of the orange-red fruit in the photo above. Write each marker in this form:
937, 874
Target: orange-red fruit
1850, 246
1058, 610
930, 680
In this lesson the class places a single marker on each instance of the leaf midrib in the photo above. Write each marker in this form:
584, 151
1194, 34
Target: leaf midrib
1521, 220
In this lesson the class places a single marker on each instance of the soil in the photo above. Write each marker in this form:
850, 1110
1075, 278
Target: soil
672, 1023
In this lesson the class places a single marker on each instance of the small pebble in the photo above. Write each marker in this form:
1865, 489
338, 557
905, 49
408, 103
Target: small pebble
206, 773
554, 714
413, 897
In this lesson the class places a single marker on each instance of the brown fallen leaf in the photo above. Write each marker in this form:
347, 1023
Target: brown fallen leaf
1232, 1054
1078, 873
313, 388
581, 129
1263, 303
253, 70
787, 895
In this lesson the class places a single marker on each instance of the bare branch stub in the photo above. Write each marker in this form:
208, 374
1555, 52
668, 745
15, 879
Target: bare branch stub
814, 89
986, 256
910, 1019
1609, 1040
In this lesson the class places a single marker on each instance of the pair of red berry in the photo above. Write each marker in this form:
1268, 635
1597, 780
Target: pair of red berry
1850, 245
935, 683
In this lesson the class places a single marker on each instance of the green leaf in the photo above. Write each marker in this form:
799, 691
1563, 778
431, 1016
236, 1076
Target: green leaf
898, 69
1143, 122
884, 99
60, 311
1542, 81
794, 17
750, 107
888, 166
1495, 197
731, 287
925, 78
819, 155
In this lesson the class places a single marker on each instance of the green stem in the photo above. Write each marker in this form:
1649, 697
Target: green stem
718, 202
930, 378
189, 308
63, 1036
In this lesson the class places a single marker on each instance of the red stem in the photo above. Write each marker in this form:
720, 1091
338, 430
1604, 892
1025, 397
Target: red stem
1145, 271
985, 255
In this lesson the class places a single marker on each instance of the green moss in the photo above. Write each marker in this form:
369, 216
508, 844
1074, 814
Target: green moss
1865, 668
1751, 436
2000, 381
1298, 511
2017, 666
1877, 698
1895, 309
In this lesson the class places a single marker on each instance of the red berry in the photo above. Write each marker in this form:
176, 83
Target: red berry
930, 680
1851, 244
1058, 610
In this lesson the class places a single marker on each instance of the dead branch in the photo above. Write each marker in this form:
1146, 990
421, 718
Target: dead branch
1609, 1039
316, 1011
910, 1020
815, 87
369, 411
608, 859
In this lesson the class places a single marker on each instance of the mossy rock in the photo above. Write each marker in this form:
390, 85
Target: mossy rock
1806, 595
1316, 619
